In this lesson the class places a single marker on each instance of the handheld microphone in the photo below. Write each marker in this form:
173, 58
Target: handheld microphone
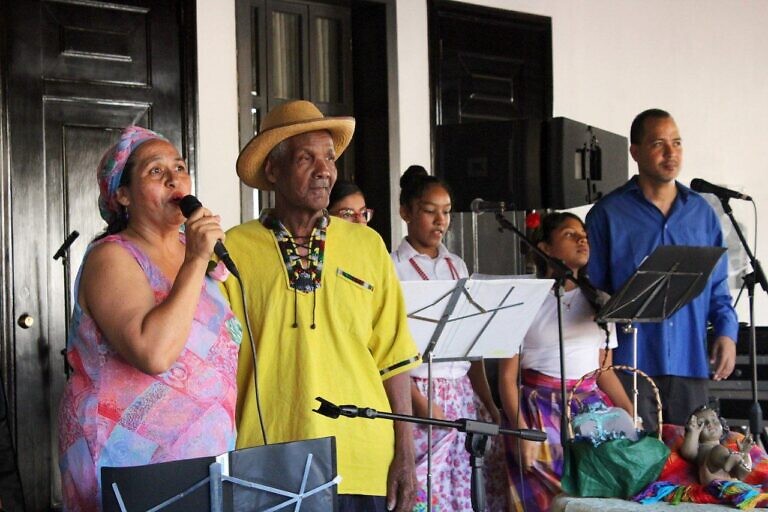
188, 205
700, 185
480, 206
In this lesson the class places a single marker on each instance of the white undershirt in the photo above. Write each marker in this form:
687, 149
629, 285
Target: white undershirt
583, 338
435, 269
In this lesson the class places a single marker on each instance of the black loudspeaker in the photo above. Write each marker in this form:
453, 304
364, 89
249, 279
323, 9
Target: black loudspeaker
529, 164
581, 163
495, 161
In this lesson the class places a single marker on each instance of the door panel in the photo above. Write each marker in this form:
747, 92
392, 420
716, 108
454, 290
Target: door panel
77, 73
98, 43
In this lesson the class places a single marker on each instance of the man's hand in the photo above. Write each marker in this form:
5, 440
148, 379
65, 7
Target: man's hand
723, 357
401, 479
401, 483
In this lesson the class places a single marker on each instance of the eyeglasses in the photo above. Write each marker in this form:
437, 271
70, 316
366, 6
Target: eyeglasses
351, 215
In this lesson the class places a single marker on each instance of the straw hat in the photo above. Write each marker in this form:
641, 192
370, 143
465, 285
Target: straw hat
282, 122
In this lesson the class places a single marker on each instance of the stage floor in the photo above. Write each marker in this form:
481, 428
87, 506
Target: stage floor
570, 504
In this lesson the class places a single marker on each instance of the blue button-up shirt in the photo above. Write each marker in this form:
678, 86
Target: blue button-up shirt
623, 228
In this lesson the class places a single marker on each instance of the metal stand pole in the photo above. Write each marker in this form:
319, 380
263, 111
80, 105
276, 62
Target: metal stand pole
563, 388
756, 276
63, 254
755, 411
429, 432
630, 328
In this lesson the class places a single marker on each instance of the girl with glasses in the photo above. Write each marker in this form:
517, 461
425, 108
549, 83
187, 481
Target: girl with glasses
348, 202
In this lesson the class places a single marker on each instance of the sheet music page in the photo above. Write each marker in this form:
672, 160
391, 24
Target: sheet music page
425, 302
489, 320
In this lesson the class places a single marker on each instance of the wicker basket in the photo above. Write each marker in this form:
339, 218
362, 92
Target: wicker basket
618, 468
596, 373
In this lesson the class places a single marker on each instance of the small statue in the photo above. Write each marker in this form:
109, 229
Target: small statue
703, 446
720, 470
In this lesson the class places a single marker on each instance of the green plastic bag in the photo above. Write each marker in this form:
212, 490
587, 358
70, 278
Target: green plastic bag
620, 468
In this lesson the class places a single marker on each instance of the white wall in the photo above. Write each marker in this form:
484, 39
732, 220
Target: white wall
218, 186
703, 60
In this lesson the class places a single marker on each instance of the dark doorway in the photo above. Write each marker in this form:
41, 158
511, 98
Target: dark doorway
291, 50
371, 103
271, 33
74, 73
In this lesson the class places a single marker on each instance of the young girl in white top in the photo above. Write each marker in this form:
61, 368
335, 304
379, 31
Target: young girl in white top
425, 206
535, 469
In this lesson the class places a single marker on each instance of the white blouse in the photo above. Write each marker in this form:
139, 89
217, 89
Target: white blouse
583, 338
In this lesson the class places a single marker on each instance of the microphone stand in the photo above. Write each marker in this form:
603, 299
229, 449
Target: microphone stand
63, 254
756, 276
561, 274
476, 442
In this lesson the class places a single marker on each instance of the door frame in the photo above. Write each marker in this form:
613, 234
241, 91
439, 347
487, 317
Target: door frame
7, 346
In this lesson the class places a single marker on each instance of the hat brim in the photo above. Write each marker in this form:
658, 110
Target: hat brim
250, 163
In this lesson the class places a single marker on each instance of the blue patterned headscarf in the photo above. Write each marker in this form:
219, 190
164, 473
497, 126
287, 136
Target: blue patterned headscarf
111, 167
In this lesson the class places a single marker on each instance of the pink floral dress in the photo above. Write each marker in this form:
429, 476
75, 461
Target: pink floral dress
113, 414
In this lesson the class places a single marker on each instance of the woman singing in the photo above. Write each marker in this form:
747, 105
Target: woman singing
153, 343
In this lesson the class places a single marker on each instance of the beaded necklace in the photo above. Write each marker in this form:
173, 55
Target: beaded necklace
304, 272
423, 275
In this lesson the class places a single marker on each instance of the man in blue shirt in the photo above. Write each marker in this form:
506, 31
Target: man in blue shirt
624, 227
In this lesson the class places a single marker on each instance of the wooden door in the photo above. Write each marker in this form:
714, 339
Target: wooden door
77, 72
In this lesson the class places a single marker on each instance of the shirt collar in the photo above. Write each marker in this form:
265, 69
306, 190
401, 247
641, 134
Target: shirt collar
406, 251
632, 186
269, 221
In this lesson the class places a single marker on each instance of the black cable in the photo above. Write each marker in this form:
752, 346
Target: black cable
738, 297
754, 213
253, 360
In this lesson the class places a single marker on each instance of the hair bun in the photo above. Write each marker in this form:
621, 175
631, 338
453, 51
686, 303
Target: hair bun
412, 175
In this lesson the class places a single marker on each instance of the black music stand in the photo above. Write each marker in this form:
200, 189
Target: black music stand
296, 476
667, 280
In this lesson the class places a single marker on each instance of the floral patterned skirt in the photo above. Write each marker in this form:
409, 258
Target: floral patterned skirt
451, 473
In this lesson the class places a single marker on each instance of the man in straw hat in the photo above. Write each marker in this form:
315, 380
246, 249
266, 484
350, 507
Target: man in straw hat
326, 312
